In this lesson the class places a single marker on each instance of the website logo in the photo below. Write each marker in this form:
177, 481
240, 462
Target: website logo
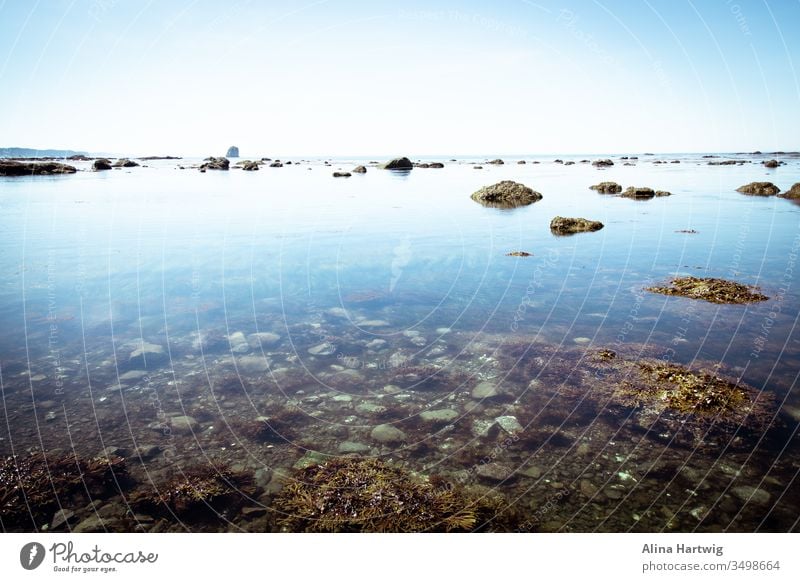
31, 555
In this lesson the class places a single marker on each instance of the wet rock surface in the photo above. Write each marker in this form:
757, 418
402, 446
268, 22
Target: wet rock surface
16, 168
566, 226
506, 194
711, 289
759, 189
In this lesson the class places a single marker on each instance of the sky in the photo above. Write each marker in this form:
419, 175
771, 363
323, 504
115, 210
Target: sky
353, 78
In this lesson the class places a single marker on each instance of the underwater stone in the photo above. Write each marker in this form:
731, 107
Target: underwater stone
311, 458
442, 415
370, 408
253, 364
495, 472
352, 447
262, 338
133, 375
510, 424
323, 349
145, 353
386, 433
238, 343
751, 494
183, 424
481, 427
485, 390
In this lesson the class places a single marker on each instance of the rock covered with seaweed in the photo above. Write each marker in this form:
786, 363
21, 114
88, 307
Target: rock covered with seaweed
506, 194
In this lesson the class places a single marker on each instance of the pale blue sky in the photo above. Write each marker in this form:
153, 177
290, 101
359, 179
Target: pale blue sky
414, 78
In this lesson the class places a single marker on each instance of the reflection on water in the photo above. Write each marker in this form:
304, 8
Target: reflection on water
265, 321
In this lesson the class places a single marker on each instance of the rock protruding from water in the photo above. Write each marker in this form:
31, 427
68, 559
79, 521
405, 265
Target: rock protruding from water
565, 226
497, 162
602, 163
101, 164
15, 168
771, 164
506, 194
607, 188
397, 164
759, 189
248, 166
233, 152
215, 164
792, 193
359, 170
711, 289
125, 163
342, 174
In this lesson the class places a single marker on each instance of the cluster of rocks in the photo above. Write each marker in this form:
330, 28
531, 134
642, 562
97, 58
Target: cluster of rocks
215, 164
770, 189
635, 192
602, 163
643, 193
15, 168
397, 164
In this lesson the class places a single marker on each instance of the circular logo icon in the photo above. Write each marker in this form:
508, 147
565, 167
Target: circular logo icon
31, 555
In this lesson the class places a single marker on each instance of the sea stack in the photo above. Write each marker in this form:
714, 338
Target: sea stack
233, 152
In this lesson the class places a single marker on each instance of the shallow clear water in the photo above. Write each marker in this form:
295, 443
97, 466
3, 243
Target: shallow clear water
406, 281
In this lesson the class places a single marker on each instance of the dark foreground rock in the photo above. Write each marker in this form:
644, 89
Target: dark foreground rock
12, 168
759, 189
792, 193
125, 163
563, 226
607, 188
711, 290
771, 164
101, 164
506, 194
341, 174
643, 193
396, 164
215, 164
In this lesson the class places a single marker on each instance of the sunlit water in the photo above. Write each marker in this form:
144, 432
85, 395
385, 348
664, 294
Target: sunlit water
400, 287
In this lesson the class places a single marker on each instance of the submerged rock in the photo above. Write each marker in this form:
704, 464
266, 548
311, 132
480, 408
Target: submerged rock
565, 226
496, 472
387, 434
510, 424
348, 447
396, 164
759, 189
183, 424
442, 415
323, 349
751, 495
15, 168
146, 355
262, 338
711, 290
485, 389
506, 194
607, 188
101, 164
